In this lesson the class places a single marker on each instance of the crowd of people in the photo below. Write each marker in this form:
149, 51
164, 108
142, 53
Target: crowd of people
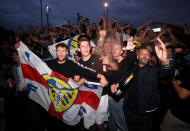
156, 99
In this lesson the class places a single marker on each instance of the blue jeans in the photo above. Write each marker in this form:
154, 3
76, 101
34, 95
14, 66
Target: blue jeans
117, 117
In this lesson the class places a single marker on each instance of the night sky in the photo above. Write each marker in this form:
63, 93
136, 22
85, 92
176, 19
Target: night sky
27, 12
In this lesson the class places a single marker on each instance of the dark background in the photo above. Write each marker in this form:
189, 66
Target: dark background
27, 12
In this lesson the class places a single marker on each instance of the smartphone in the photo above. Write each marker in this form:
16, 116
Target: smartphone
156, 29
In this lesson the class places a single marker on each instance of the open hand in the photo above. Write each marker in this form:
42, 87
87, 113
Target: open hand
161, 51
130, 44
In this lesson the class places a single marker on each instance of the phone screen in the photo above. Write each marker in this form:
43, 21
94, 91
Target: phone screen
156, 29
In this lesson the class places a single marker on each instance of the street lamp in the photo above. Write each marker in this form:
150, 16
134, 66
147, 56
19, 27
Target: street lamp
106, 6
47, 11
41, 13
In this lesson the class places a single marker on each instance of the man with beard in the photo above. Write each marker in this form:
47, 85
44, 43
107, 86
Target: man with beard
141, 100
68, 68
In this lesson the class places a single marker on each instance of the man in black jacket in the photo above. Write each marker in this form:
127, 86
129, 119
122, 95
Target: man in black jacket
142, 99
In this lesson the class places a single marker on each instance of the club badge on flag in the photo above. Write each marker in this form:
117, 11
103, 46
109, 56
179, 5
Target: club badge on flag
59, 95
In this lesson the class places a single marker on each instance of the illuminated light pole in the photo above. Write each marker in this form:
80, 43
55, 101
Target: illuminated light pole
41, 13
47, 14
106, 6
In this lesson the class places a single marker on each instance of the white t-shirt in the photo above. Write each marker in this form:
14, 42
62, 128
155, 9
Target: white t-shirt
124, 36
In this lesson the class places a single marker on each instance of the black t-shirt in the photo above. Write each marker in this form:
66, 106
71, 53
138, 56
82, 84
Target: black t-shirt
70, 68
181, 108
94, 63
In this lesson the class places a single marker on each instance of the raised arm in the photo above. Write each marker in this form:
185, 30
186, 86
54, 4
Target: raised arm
146, 22
161, 52
104, 21
166, 69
